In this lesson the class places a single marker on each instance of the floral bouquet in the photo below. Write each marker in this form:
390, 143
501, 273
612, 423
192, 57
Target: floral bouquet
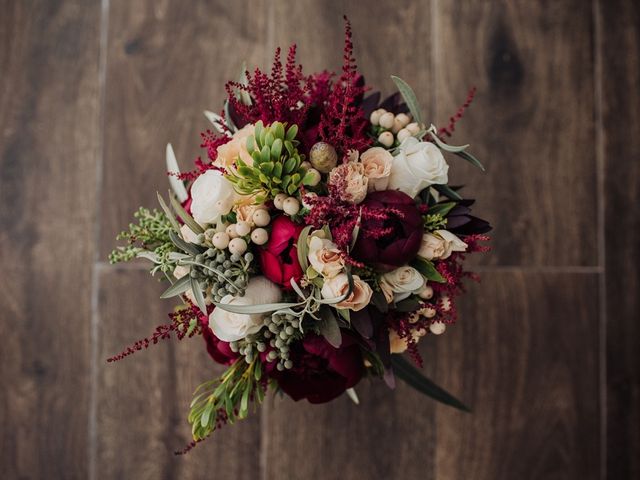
317, 241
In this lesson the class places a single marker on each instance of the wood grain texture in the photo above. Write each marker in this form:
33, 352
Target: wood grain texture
48, 145
532, 123
524, 355
619, 49
167, 62
144, 399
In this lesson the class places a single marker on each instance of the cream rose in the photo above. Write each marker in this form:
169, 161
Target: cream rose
229, 326
339, 285
324, 256
440, 244
212, 196
377, 164
350, 180
228, 153
402, 282
417, 165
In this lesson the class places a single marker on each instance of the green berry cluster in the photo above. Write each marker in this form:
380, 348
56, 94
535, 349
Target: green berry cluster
222, 272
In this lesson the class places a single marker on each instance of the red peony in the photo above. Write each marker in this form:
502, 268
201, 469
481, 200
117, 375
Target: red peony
279, 257
320, 371
402, 231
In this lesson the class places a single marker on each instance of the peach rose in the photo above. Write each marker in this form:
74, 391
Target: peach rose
350, 180
324, 256
377, 167
236, 147
337, 286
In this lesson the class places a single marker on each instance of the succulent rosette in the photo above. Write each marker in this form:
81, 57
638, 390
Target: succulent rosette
316, 242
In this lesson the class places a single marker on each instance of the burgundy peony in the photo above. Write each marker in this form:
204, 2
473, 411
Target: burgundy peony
219, 350
321, 372
401, 244
279, 257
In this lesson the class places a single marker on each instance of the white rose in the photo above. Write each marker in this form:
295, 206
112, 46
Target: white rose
212, 195
324, 256
337, 286
228, 326
417, 165
440, 244
402, 282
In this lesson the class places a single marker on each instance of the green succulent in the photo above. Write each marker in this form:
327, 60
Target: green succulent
277, 164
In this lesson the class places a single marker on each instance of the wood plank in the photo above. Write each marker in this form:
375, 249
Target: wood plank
619, 49
525, 357
167, 62
143, 400
390, 38
379, 438
48, 144
532, 123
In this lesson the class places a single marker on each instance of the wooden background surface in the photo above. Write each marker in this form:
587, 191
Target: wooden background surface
547, 349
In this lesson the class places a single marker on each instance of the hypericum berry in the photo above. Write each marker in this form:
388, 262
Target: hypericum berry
386, 139
231, 231
220, 240
386, 120
413, 128
427, 293
279, 200
259, 236
242, 228
403, 134
437, 328
237, 246
291, 206
261, 218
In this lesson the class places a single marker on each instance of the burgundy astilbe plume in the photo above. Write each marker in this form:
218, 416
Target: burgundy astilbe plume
448, 130
343, 123
278, 96
179, 326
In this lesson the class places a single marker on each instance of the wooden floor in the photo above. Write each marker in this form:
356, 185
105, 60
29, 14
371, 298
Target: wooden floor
547, 349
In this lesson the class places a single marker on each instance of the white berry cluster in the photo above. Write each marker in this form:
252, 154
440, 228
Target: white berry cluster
393, 129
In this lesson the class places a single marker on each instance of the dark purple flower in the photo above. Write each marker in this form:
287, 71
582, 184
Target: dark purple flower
403, 226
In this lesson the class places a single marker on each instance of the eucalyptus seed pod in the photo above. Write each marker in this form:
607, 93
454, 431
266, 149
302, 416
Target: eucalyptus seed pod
323, 157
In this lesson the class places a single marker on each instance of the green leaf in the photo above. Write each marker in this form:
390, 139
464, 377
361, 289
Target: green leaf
278, 130
329, 327
180, 286
256, 309
267, 168
410, 304
441, 208
445, 146
471, 159
257, 158
268, 140
289, 146
277, 170
427, 269
408, 373
197, 295
447, 191
186, 218
265, 154
289, 165
170, 216
276, 149
308, 178
184, 246
292, 132
302, 248
250, 143
409, 97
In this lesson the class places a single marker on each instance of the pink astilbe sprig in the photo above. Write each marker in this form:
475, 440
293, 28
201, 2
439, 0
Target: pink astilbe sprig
343, 123
179, 326
448, 130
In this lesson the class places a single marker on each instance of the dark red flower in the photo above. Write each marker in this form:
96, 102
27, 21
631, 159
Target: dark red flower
320, 371
392, 241
219, 350
279, 257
